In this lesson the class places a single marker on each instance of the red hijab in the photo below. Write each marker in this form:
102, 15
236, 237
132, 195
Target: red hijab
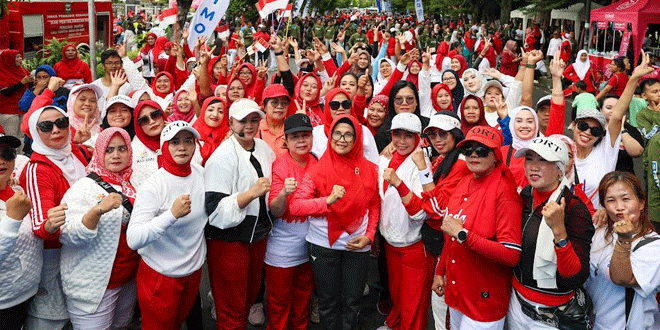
245, 89
97, 164
249, 91
351, 171
147, 47
441, 53
153, 84
70, 68
434, 98
313, 108
11, 73
464, 65
176, 112
212, 136
414, 78
151, 142
465, 126
327, 114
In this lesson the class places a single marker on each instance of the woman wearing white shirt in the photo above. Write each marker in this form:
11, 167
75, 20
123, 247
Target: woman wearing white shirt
625, 268
167, 230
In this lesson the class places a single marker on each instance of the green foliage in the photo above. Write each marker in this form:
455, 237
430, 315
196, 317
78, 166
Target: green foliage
243, 7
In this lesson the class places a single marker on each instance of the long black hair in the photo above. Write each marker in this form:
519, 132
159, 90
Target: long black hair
450, 159
130, 128
457, 93
383, 137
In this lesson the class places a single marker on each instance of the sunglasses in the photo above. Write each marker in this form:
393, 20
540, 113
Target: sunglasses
47, 126
399, 100
480, 150
154, 116
595, 130
8, 154
279, 102
434, 134
334, 105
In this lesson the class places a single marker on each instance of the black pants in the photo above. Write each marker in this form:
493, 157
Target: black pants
13, 318
340, 277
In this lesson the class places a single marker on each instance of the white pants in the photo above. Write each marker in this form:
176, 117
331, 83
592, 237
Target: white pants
35, 323
114, 312
439, 311
517, 320
459, 321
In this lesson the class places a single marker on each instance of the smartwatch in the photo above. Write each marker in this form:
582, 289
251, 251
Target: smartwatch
562, 243
462, 236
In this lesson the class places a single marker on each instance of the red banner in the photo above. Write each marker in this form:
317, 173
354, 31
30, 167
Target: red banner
625, 41
602, 25
65, 25
620, 26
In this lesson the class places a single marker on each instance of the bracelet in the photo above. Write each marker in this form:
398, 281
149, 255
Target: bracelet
402, 189
425, 177
530, 66
279, 53
621, 244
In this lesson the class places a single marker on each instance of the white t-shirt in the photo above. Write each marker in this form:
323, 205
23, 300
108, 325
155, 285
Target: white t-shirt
599, 162
321, 143
609, 298
286, 244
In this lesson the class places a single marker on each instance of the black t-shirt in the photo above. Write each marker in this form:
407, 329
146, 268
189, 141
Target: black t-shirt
624, 161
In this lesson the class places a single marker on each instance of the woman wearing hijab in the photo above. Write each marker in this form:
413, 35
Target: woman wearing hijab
21, 252
14, 82
442, 61
55, 165
474, 82
237, 184
42, 75
147, 57
338, 102
98, 267
452, 79
308, 89
458, 64
472, 113
71, 68
482, 227
288, 272
409, 267
510, 58
556, 240
167, 230
213, 126
433, 101
413, 69
184, 107
148, 122
236, 90
83, 111
581, 69
377, 113
253, 82
386, 68
344, 212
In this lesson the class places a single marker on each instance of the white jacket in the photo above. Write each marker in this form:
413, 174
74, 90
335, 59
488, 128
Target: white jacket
396, 226
21, 258
88, 255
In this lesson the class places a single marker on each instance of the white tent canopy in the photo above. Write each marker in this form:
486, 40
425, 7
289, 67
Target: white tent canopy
520, 13
576, 13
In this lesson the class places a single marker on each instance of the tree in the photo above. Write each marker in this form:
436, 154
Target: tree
183, 7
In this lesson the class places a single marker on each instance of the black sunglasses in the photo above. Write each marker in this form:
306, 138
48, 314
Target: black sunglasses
145, 119
480, 150
8, 154
595, 130
47, 126
346, 104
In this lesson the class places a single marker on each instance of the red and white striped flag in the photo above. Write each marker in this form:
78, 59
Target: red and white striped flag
223, 31
267, 7
261, 45
168, 16
286, 12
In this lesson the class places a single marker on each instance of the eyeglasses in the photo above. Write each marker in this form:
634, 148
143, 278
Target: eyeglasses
8, 154
154, 115
595, 130
245, 73
112, 63
449, 78
334, 105
436, 134
348, 137
186, 142
279, 102
480, 150
408, 99
121, 149
47, 126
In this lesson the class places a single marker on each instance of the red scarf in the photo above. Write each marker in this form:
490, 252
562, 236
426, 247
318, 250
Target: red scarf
434, 97
153, 84
70, 68
465, 126
168, 163
10, 73
151, 142
147, 47
394, 164
212, 136
313, 109
443, 49
464, 65
351, 171
414, 78
327, 114
6, 193
245, 89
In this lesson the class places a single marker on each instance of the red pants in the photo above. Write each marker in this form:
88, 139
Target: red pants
288, 295
165, 301
235, 271
410, 273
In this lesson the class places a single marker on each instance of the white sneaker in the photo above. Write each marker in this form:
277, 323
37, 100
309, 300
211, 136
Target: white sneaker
366, 290
256, 317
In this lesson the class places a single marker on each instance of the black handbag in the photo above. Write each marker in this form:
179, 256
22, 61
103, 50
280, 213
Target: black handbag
576, 314
433, 239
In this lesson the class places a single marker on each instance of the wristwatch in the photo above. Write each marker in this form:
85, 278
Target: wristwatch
462, 236
562, 243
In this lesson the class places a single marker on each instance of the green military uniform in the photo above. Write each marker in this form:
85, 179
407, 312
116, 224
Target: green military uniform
294, 31
248, 36
357, 37
648, 122
319, 30
330, 32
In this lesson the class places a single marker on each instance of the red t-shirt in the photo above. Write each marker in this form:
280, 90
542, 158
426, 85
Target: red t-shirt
618, 83
126, 262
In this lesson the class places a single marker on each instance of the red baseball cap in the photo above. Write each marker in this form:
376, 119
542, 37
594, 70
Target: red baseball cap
486, 135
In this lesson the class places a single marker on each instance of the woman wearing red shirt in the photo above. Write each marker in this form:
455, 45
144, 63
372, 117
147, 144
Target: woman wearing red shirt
617, 82
581, 70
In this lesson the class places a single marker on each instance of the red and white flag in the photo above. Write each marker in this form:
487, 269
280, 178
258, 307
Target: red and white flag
261, 45
267, 7
286, 12
223, 31
168, 16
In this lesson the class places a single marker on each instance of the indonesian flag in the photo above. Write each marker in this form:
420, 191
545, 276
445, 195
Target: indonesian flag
195, 4
250, 50
355, 16
261, 45
168, 16
267, 7
223, 31
286, 12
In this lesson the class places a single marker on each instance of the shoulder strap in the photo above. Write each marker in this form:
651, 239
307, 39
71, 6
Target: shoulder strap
508, 156
125, 202
630, 292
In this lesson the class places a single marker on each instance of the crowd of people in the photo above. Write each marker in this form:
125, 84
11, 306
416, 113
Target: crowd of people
351, 136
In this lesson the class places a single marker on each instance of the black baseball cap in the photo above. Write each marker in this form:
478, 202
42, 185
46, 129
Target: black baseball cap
297, 122
13, 142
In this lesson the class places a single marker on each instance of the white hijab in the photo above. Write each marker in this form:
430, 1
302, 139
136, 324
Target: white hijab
581, 68
480, 92
380, 80
518, 143
63, 158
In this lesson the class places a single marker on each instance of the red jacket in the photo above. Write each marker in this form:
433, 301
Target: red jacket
589, 77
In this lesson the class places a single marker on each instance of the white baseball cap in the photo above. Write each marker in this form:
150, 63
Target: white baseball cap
97, 90
407, 122
175, 127
592, 113
444, 122
549, 148
123, 99
243, 107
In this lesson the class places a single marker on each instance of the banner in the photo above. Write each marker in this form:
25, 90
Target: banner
625, 41
620, 26
602, 25
419, 8
380, 7
206, 18
298, 7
